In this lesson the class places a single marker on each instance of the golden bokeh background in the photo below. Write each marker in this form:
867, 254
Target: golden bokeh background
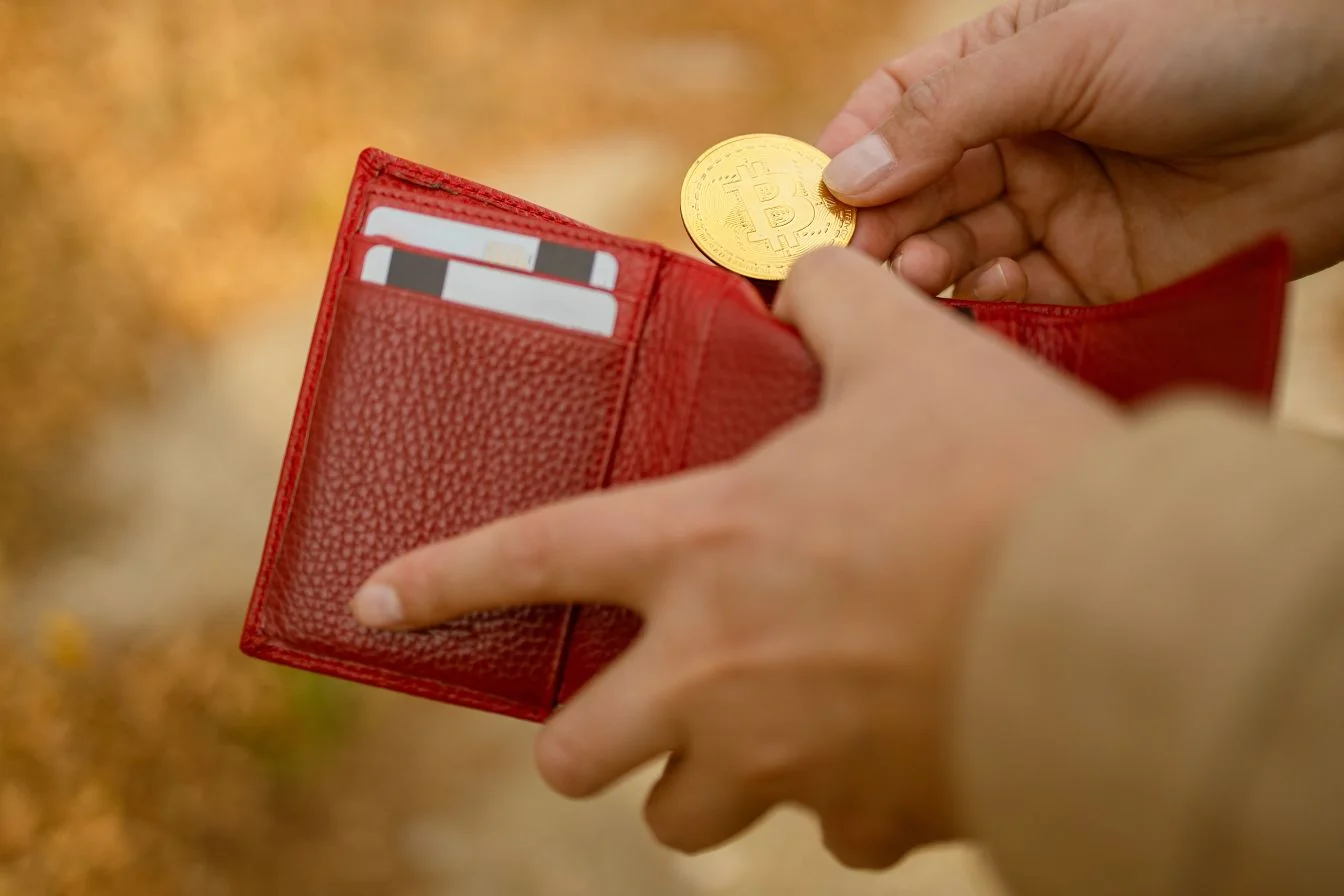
171, 175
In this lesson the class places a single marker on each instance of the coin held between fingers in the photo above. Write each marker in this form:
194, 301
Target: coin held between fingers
755, 204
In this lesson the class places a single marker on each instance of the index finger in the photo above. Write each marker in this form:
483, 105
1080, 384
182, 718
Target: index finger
874, 100
605, 547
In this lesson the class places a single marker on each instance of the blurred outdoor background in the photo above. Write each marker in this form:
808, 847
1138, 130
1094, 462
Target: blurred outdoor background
171, 175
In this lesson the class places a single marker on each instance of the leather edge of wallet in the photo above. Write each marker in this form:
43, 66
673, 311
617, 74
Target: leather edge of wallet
256, 641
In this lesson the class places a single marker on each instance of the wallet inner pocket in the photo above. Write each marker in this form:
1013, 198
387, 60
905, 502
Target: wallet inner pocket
431, 419
494, 287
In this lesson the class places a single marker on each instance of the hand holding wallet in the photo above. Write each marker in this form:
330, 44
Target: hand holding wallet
426, 410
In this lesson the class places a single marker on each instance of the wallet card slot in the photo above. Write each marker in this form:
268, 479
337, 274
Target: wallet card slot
508, 291
432, 419
637, 262
361, 245
499, 318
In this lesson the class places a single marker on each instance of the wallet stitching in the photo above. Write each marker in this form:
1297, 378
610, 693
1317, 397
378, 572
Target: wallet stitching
406, 172
342, 667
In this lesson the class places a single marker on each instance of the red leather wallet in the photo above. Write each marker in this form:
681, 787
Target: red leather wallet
419, 419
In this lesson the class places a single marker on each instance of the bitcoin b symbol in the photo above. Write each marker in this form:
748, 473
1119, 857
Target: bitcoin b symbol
776, 204
755, 203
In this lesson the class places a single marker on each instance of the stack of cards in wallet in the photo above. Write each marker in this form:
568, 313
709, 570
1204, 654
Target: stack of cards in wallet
497, 270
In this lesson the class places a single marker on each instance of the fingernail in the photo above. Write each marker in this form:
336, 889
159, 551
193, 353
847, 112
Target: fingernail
896, 264
378, 606
992, 285
859, 167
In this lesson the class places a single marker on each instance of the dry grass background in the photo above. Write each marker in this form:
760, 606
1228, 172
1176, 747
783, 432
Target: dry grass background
171, 174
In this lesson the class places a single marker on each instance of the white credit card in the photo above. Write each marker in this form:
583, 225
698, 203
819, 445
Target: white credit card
507, 292
526, 253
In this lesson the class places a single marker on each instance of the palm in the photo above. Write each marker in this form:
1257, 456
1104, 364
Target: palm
1084, 226
1122, 197
1077, 224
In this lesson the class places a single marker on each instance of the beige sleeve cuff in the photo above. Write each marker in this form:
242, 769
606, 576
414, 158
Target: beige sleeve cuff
1138, 673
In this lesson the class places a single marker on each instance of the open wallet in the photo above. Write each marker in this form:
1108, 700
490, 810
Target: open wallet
445, 389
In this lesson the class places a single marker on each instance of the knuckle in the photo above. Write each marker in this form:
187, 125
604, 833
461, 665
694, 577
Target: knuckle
1004, 21
721, 518
526, 555
935, 258
963, 239
768, 767
923, 102
947, 196
944, 267
1031, 11
721, 663
416, 578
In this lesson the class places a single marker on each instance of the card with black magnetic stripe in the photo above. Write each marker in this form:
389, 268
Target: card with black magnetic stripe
417, 273
566, 262
510, 292
447, 236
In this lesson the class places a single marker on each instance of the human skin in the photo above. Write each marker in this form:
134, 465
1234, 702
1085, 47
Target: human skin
1089, 151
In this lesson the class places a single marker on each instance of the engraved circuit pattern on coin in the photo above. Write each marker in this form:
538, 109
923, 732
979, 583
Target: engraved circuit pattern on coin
755, 204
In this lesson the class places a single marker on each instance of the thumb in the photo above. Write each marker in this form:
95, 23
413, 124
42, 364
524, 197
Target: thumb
1024, 84
849, 310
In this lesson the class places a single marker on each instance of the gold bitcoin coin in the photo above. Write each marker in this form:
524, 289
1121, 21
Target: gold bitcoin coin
756, 204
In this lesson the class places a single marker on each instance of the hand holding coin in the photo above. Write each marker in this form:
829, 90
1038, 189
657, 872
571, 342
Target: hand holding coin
756, 204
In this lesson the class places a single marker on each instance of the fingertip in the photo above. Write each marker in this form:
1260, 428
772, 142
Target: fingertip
819, 271
822, 261
991, 283
1016, 276
560, 762
378, 605
1002, 280
924, 264
615, 724
409, 592
859, 173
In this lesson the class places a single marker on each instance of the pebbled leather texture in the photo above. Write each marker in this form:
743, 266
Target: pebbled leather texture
418, 420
